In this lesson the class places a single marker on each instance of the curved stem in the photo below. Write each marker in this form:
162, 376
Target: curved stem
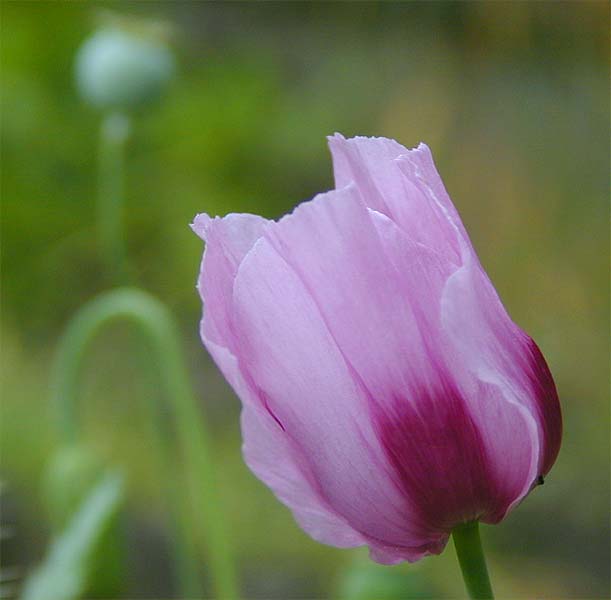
472, 560
156, 323
114, 132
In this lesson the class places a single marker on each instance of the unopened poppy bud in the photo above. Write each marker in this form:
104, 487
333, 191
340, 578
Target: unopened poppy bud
119, 68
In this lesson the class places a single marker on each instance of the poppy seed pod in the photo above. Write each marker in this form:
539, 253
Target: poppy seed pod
119, 69
387, 395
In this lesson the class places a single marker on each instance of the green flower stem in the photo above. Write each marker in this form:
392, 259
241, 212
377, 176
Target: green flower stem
156, 323
114, 132
472, 560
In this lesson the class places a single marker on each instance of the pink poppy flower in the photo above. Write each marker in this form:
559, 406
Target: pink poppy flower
387, 395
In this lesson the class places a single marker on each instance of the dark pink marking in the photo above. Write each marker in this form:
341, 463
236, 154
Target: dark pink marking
438, 456
265, 401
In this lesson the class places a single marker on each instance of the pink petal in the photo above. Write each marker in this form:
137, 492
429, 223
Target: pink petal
404, 185
268, 450
495, 454
314, 396
228, 240
273, 458
334, 247
498, 352
379, 294
388, 174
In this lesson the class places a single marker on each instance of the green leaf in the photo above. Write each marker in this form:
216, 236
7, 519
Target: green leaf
64, 572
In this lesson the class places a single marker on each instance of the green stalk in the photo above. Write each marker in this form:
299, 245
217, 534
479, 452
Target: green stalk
114, 133
155, 323
472, 561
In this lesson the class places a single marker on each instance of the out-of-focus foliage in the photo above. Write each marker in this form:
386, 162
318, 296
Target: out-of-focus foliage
69, 478
513, 99
70, 475
70, 563
365, 580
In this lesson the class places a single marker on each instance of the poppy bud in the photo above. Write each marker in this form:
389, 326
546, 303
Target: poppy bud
120, 68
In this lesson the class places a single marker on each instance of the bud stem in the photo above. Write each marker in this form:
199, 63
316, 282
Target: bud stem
472, 561
114, 132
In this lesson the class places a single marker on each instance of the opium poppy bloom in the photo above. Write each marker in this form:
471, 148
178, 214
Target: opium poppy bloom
387, 395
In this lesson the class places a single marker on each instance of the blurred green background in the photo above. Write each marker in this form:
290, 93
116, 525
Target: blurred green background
513, 100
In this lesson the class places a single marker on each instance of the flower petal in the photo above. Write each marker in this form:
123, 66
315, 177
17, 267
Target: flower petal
498, 352
377, 289
405, 186
228, 240
288, 352
497, 439
270, 455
